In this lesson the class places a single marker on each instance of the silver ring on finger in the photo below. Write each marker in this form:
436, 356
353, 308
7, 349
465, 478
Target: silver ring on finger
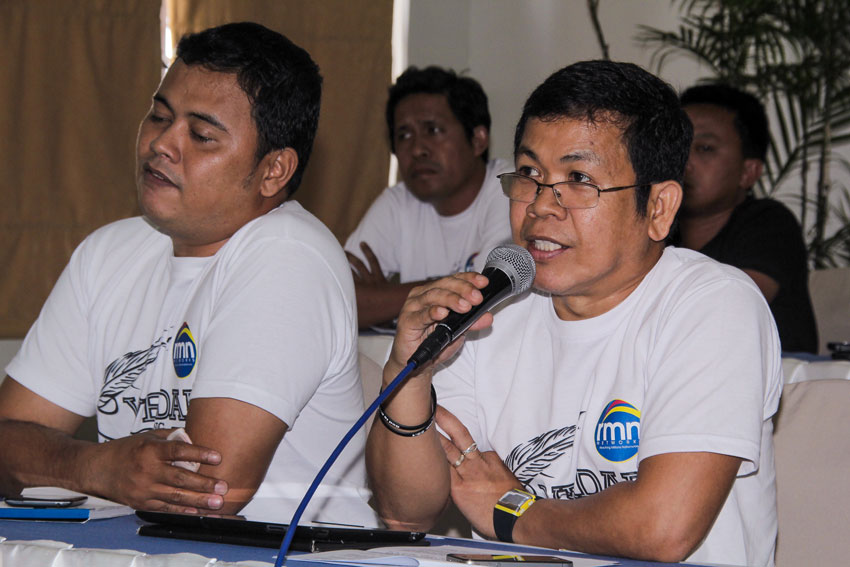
470, 449
459, 460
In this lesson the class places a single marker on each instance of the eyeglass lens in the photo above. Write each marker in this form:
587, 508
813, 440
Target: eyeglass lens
569, 194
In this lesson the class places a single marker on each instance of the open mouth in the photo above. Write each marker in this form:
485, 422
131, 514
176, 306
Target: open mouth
546, 245
157, 176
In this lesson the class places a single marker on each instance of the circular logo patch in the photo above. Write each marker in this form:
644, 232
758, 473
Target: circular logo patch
185, 352
618, 431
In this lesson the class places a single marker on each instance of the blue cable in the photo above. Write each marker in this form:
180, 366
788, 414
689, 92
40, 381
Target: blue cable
293, 523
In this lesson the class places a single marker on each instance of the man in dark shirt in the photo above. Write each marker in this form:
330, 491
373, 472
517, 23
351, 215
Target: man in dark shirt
721, 218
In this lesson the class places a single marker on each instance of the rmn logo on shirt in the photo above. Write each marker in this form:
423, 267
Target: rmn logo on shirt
184, 353
618, 431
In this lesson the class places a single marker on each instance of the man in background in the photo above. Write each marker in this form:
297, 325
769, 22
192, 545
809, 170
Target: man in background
721, 217
199, 313
447, 213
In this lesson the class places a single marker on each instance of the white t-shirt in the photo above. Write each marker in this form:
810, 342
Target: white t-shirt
689, 362
411, 239
131, 333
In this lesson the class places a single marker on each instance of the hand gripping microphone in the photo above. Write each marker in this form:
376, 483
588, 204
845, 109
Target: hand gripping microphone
510, 269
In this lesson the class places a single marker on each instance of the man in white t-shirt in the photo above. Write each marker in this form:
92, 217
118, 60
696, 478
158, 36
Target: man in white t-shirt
448, 212
201, 314
621, 407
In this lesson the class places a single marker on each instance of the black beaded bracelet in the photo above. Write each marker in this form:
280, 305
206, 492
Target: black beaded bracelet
406, 430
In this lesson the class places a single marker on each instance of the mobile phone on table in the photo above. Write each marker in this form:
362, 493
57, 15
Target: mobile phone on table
32, 502
500, 559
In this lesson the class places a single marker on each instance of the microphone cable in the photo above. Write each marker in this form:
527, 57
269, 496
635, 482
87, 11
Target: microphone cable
296, 517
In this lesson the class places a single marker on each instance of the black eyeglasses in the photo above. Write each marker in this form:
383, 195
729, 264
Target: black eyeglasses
568, 194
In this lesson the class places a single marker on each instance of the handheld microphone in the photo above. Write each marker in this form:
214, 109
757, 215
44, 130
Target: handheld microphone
510, 269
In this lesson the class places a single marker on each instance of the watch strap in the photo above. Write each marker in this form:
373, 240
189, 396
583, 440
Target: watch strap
507, 511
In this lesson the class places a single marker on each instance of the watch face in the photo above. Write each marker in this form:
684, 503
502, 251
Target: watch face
514, 500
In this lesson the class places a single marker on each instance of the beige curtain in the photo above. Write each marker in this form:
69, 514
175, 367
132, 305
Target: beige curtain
75, 80
350, 41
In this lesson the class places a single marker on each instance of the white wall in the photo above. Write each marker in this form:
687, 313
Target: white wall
511, 46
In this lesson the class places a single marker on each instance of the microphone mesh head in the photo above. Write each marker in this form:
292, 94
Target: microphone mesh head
516, 262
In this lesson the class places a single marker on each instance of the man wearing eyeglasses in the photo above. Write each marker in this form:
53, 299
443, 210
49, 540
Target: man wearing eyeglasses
623, 406
447, 213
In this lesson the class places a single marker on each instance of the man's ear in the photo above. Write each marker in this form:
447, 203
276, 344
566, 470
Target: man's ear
753, 168
280, 166
664, 201
480, 140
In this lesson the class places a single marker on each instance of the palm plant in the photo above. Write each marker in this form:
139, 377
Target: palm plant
795, 55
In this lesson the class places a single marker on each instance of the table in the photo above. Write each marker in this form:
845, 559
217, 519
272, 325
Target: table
96, 543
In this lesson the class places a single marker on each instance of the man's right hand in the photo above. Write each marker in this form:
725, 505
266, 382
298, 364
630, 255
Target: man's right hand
363, 274
38, 450
378, 299
138, 471
429, 304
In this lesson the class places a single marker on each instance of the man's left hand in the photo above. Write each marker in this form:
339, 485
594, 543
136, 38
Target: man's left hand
478, 478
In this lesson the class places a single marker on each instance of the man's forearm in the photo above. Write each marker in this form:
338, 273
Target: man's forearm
380, 303
35, 455
409, 475
135, 470
661, 517
607, 523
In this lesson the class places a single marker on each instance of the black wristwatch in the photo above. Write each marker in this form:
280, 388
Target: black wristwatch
510, 506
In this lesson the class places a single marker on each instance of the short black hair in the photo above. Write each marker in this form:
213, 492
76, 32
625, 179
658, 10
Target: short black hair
465, 96
750, 116
656, 131
282, 82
